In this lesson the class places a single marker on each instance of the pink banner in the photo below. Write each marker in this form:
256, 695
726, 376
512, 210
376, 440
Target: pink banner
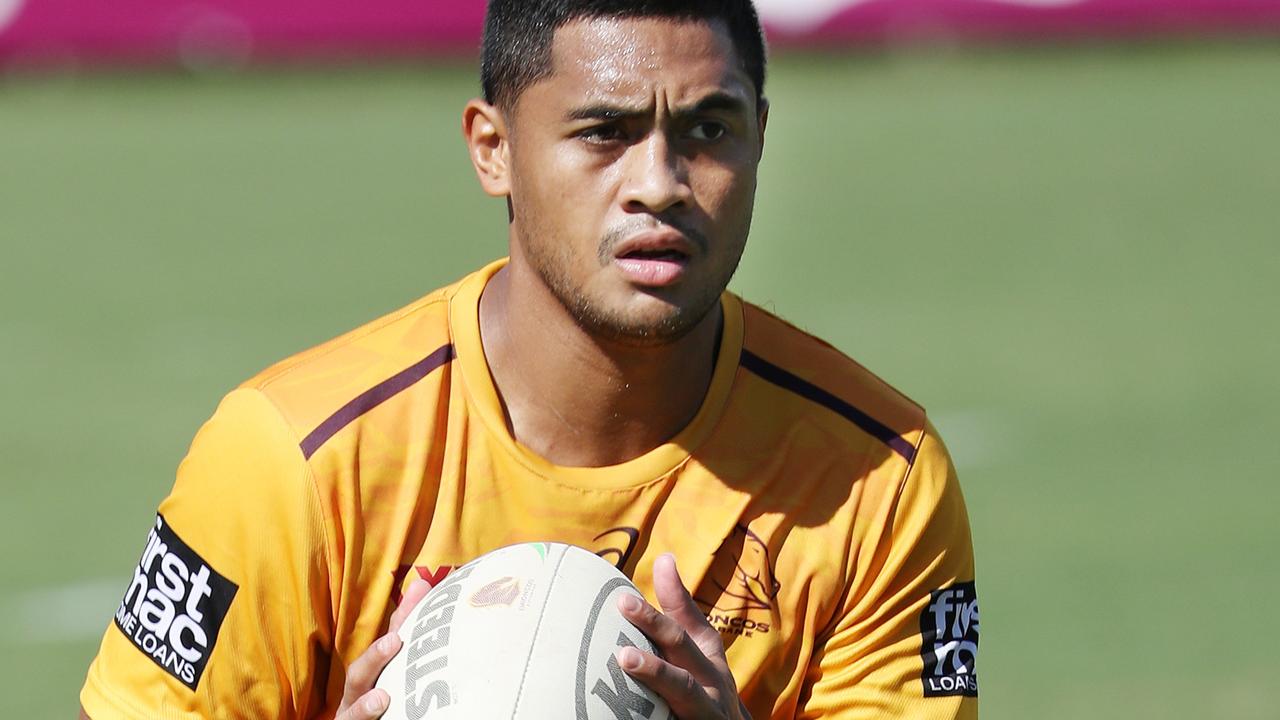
843, 21
43, 31
38, 31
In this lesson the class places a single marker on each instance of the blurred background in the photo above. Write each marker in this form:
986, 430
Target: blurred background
1052, 222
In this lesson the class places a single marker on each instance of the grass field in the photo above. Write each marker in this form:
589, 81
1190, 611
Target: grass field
1070, 256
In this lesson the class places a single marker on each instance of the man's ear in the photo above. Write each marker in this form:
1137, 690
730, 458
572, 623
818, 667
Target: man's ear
764, 120
485, 132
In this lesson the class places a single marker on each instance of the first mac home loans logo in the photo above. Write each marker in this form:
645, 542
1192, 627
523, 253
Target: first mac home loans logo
949, 626
175, 605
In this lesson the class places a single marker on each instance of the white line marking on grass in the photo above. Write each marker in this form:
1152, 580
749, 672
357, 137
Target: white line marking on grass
62, 614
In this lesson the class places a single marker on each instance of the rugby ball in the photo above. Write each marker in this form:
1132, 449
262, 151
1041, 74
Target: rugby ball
527, 632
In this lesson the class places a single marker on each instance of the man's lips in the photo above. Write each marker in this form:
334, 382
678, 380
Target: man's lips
654, 243
654, 259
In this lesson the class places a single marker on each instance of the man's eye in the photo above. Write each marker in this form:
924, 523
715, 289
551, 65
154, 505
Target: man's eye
601, 134
708, 131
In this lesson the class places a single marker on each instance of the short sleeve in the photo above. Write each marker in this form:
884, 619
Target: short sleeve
905, 645
226, 614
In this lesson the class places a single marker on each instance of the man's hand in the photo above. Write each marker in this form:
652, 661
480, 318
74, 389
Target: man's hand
694, 678
360, 699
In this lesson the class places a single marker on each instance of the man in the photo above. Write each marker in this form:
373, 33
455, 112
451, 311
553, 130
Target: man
600, 388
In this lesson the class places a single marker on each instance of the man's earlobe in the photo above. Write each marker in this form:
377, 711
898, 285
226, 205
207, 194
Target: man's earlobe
485, 133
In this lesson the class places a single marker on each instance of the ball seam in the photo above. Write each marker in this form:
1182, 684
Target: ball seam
537, 629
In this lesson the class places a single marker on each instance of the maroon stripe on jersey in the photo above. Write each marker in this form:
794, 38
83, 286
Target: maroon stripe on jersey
809, 391
373, 397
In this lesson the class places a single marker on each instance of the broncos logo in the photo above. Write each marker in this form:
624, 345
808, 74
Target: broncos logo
741, 575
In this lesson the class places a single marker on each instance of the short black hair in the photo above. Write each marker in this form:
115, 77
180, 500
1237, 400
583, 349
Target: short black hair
516, 51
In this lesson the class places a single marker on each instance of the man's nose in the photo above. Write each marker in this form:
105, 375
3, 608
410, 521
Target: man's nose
656, 176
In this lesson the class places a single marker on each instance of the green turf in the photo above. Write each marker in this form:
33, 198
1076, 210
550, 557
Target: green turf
1068, 255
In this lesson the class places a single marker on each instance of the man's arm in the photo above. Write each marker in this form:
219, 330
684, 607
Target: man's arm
228, 607
361, 701
905, 642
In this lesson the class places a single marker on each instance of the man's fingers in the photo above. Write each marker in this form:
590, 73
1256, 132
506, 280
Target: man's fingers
678, 604
418, 589
364, 672
369, 706
671, 640
360, 700
682, 691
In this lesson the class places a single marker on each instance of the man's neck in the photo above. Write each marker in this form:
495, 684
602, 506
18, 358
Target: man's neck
576, 400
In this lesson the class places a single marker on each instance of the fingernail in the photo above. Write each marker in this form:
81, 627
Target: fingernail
385, 643
630, 603
376, 703
629, 658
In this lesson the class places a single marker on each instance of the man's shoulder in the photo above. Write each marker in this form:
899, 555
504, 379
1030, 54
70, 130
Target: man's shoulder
818, 380
317, 385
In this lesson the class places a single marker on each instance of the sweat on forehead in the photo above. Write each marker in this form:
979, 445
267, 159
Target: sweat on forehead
518, 36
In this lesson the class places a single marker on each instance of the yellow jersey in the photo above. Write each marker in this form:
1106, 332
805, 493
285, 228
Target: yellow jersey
812, 509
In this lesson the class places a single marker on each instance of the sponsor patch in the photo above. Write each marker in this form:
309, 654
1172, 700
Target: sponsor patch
175, 605
949, 626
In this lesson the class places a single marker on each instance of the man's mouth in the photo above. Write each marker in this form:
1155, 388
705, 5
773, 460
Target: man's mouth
669, 254
655, 259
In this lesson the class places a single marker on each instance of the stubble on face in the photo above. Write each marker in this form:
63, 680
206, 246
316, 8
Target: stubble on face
617, 325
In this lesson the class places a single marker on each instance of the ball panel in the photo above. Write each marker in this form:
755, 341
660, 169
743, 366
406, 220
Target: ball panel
466, 644
574, 654
527, 632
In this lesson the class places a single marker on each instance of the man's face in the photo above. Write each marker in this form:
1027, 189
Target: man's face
633, 173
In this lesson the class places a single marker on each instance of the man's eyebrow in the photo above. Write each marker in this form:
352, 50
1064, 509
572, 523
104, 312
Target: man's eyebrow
715, 102
605, 111
719, 101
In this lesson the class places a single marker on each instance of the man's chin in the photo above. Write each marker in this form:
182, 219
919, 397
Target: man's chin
653, 327
622, 314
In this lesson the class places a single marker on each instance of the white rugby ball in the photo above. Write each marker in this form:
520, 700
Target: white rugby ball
527, 632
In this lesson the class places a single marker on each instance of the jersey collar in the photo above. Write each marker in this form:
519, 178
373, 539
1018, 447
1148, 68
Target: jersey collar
482, 396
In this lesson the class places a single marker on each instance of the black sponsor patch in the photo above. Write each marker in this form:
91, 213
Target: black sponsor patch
949, 648
174, 605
